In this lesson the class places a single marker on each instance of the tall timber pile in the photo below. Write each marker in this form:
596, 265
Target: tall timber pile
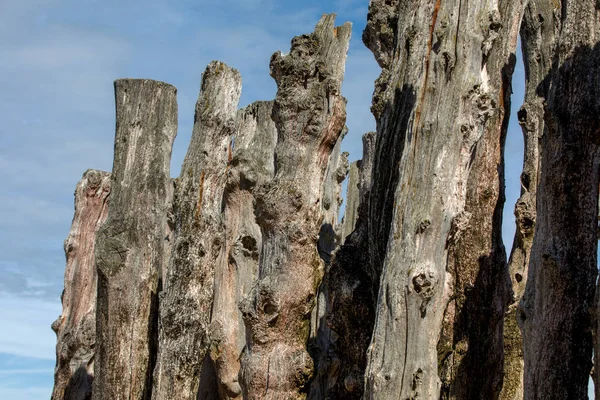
235, 280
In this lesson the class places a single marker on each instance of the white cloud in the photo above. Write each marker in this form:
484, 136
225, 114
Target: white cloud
67, 70
27, 332
20, 207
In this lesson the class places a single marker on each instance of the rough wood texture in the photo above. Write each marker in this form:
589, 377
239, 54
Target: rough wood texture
130, 245
329, 240
337, 170
441, 105
555, 311
76, 327
352, 296
365, 177
210, 286
352, 200
309, 113
251, 165
537, 35
185, 304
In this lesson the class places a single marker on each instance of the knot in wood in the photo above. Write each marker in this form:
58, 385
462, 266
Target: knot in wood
424, 284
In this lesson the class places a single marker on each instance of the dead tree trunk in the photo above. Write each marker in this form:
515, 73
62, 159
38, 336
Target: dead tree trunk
185, 304
352, 199
251, 165
130, 245
329, 235
309, 113
76, 327
442, 105
537, 34
555, 311
329, 241
351, 301
415, 301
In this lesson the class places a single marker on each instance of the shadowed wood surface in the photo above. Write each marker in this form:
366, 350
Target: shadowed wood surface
130, 246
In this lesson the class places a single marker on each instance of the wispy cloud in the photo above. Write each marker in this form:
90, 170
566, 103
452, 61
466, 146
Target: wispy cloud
27, 332
25, 377
58, 118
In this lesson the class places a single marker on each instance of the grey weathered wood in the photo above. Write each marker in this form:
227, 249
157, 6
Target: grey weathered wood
537, 35
330, 233
555, 310
309, 113
350, 303
442, 104
251, 165
186, 302
76, 327
252, 223
330, 237
365, 178
130, 246
352, 200
359, 184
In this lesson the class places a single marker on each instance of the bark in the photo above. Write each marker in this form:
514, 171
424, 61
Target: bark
330, 233
130, 246
351, 301
537, 37
419, 301
309, 114
76, 327
185, 304
329, 240
365, 176
555, 310
442, 105
251, 165
352, 200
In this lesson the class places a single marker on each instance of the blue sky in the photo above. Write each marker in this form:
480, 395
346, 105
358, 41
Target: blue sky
59, 60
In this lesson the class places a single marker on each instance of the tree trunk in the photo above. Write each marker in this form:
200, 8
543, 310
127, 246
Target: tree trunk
76, 327
130, 245
419, 302
330, 233
537, 35
555, 311
442, 104
351, 211
309, 113
251, 165
351, 298
329, 241
185, 304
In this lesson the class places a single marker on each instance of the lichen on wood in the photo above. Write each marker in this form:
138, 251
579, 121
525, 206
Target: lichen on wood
442, 105
187, 297
130, 245
236, 279
309, 114
555, 310
76, 327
